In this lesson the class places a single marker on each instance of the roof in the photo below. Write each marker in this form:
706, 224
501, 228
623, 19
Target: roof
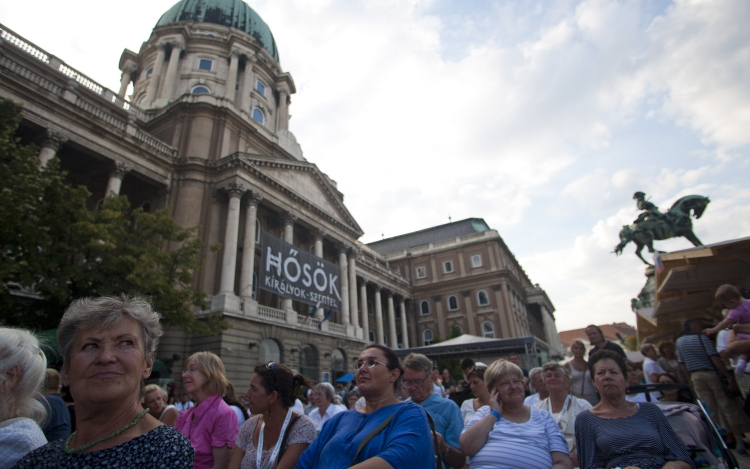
231, 13
610, 333
466, 345
430, 235
687, 280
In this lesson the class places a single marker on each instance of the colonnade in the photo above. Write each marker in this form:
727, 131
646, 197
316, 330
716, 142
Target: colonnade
354, 308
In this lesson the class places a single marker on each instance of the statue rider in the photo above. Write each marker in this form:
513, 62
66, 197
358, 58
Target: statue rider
650, 211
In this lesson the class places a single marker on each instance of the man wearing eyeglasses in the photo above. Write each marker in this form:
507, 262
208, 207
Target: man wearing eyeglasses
446, 415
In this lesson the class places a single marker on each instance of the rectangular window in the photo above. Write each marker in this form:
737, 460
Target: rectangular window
421, 272
205, 64
448, 267
149, 72
476, 260
260, 87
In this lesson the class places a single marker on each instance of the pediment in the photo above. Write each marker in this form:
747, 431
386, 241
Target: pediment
310, 184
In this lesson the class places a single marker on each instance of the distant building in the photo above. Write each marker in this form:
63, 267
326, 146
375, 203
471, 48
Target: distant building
463, 275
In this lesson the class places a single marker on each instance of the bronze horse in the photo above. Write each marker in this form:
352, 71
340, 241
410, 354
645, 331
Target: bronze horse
675, 223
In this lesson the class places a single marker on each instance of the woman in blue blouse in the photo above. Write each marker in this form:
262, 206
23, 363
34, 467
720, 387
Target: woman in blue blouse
619, 433
400, 433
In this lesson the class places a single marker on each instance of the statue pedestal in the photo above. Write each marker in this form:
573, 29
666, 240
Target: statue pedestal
644, 304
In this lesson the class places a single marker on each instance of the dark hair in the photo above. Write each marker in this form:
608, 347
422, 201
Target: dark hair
230, 398
280, 378
687, 325
391, 362
477, 371
607, 354
601, 332
467, 363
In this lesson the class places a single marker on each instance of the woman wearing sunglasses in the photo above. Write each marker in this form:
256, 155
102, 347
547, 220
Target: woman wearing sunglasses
275, 436
385, 433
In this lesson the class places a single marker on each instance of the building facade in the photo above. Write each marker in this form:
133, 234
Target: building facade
205, 132
464, 277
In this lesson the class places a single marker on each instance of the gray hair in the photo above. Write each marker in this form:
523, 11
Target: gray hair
533, 372
500, 368
417, 362
327, 389
19, 348
554, 366
104, 312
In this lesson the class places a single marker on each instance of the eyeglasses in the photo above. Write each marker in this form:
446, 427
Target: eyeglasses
189, 371
371, 362
416, 383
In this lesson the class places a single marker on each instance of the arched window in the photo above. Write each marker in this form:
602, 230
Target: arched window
482, 298
200, 89
269, 351
427, 337
258, 116
338, 363
458, 328
488, 329
372, 337
452, 303
424, 307
308, 362
141, 100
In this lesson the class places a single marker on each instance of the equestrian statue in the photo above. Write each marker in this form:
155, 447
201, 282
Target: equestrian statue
652, 224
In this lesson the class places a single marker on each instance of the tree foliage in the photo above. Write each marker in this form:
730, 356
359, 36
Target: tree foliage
53, 249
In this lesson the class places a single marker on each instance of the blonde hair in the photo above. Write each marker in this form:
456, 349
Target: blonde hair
19, 348
212, 367
154, 387
500, 368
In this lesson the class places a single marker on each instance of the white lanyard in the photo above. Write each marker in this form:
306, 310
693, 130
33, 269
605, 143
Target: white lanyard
259, 453
564, 407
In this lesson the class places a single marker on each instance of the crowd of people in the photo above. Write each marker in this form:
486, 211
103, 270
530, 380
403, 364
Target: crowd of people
396, 414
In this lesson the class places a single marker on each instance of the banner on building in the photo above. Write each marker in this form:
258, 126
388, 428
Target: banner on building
292, 273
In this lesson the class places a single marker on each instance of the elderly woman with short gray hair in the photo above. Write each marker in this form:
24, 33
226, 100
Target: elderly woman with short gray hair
521, 437
108, 347
322, 396
22, 366
561, 404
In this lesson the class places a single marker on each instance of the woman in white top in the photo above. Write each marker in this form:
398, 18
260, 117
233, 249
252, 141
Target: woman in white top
470, 407
22, 367
581, 385
155, 399
563, 406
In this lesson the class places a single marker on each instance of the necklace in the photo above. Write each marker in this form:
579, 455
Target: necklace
70, 450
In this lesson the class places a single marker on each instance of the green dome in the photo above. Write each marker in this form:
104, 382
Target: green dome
232, 13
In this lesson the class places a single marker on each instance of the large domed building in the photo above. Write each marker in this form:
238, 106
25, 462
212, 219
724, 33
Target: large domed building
206, 133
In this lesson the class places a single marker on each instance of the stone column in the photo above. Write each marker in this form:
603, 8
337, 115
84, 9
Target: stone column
471, 318
232, 78
378, 316
318, 251
125, 79
229, 261
289, 219
247, 85
50, 146
503, 325
392, 322
353, 311
116, 176
402, 310
363, 308
441, 323
248, 246
153, 85
344, 266
171, 77
282, 116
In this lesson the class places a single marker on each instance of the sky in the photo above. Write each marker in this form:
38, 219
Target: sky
542, 117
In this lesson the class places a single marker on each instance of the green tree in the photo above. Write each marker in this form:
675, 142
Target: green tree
53, 249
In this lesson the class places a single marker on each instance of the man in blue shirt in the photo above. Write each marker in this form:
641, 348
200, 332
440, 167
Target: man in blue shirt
445, 413
57, 424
